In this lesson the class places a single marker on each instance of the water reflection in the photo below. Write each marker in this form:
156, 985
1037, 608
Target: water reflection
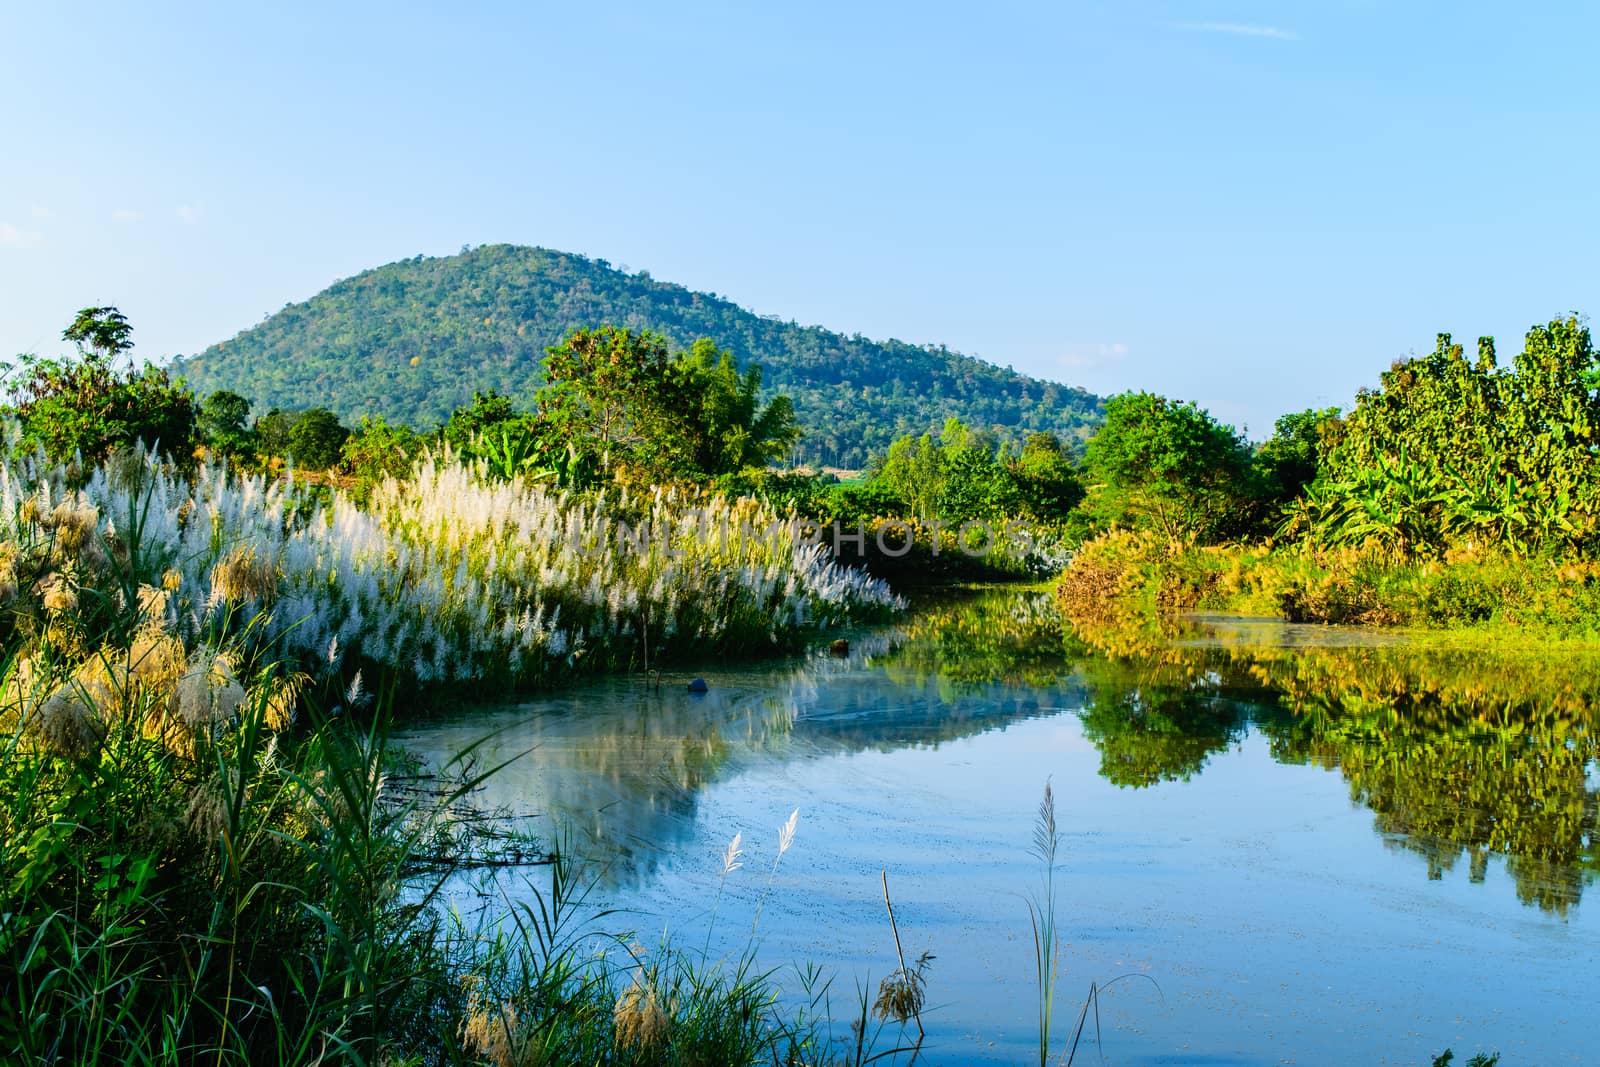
621, 764
1461, 756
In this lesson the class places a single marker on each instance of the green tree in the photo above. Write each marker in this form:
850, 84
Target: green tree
977, 486
611, 394
624, 399
488, 411
1290, 459
1048, 483
223, 423
913, 471
86, 406
378, 450
272, 431
102, 330
1170, 466
1449, 450
316, 441
731, 428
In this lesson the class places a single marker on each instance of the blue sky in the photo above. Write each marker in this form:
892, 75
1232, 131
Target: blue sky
1250, 204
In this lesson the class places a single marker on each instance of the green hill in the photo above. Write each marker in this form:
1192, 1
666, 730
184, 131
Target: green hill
412, 340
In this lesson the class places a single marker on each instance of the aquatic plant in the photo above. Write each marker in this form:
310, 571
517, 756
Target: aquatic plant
1042, 914
902, 994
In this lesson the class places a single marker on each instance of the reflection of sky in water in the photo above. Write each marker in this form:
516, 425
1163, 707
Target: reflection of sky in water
1284, 920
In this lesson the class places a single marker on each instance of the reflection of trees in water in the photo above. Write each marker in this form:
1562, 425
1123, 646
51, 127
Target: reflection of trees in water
987, 637
622, 767
1454, 796
1459, 754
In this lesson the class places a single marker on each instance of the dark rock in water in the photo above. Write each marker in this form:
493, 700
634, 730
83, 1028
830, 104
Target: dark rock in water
698, 685
840, 647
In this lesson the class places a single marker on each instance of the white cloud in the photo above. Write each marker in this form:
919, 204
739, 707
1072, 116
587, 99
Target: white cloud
12, 237
1241, 29
1079, 355
122, 214
191, 213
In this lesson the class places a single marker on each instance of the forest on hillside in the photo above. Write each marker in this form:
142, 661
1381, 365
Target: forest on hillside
414, 340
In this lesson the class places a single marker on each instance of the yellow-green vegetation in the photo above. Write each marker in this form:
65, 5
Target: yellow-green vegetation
1485, 593
1457, 494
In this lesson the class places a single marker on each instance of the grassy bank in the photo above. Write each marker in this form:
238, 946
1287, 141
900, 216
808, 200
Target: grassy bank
1461, 596
208, 851
446, 576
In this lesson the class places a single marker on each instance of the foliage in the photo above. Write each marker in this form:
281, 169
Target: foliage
623, 400
488, 413
1448, 452
1048, 482
1291, 458
959, 476
104, 331
1170, 466
316, 440
414, 340
223, 424
730, 428
86, 406
377, 452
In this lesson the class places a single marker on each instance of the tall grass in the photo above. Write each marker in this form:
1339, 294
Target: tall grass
1042, 914
229, 892
445, 577
206, 849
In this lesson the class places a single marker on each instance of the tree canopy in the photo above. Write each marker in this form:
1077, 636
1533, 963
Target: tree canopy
624, 398
86, 405
1171, 466
1449, 449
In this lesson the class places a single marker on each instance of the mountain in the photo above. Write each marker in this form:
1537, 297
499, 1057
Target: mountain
412, 340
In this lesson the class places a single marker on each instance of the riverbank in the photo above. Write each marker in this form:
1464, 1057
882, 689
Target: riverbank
1461, 598
208, 847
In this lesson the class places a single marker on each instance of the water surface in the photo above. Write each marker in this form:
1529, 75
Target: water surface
1322, 845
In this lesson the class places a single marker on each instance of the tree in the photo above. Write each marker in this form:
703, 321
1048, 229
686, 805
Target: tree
977, 486
609, 392
1047, 481
1170, 466
1447, 450
316, 441
488, 411
272, 431
731, 428
378, 450
102, 330
913, 470
85, 406
1289, 460
624, 399
223, 423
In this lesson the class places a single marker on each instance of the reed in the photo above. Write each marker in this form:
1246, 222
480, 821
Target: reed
1042, 915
